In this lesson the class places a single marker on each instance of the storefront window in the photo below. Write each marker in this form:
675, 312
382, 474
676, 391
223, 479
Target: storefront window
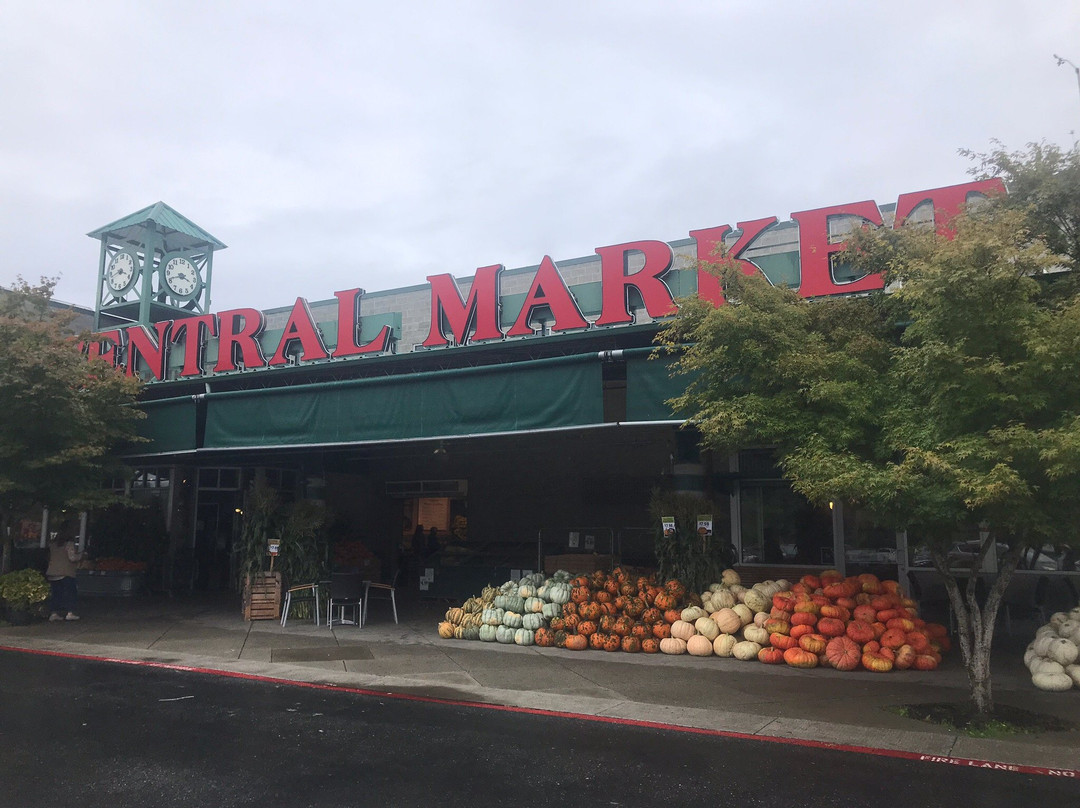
868, 546
777, 525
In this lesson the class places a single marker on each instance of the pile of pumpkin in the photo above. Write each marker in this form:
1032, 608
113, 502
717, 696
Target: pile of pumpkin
511, 613
1052, 656
828, 620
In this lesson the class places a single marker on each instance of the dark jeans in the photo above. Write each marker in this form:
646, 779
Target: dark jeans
64, 595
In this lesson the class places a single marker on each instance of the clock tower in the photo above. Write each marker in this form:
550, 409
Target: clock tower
155, 265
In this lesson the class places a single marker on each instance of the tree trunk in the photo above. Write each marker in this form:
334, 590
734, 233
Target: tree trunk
975, 621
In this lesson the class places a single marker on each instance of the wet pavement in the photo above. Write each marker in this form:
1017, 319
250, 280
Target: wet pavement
208, 632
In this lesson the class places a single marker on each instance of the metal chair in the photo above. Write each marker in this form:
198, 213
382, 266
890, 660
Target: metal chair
346, 592
301, 593
381, 591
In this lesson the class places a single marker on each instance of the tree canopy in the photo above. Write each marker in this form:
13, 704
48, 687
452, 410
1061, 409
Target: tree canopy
63, 415
948, 402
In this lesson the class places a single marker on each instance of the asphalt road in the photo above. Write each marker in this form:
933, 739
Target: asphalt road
78, 733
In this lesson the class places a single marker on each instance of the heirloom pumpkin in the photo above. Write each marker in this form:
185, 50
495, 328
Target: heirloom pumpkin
723, 644
844, 653
699, 645
682, 630
771, 656
746, 650
672, 645
800, 658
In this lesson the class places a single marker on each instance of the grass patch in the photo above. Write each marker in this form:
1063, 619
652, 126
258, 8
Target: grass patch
1004, 721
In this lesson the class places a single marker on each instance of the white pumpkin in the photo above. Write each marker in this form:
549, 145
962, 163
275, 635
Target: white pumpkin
1042, 644
757, 600
723, 644
1044, 665
692, 613
761, 618
1052, 681
683, 630
715, 587
672, 645
1057, 618
1063, 651
1045, 631
706, 628
727, 621
1073, 671
1068, 628
1029, 654
756, 634
724, 599
699, 645
729, 577
744, 613
738, 591
784, 584
746, 650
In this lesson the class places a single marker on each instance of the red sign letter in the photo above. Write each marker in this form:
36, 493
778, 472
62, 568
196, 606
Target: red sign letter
549, 289
614, 261
708, 285
347, 331
480, 311
815, 251
105, 345
947, 201
141, 343
300, 328
193, 330
236, 341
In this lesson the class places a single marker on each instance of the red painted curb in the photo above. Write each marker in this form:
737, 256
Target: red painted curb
745, 736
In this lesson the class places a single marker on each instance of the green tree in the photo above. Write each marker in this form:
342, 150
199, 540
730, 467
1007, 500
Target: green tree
947, 403
63, 416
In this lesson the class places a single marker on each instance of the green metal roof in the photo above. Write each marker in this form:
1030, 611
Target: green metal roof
166, 219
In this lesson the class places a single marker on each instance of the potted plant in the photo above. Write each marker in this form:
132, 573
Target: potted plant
21, 590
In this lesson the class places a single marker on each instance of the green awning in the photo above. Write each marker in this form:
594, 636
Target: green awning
169, 426
525, 396
649, 384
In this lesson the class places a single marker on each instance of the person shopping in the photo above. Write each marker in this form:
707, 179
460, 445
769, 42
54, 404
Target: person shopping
63, 556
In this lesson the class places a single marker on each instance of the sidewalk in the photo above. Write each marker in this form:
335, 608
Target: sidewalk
819, 705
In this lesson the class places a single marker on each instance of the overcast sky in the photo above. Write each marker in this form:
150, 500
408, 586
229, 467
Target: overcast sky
341, 144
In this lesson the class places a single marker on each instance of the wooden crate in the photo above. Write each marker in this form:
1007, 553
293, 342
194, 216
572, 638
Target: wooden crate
262, 596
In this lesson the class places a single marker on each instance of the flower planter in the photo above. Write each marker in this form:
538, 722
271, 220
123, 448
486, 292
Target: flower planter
110, 583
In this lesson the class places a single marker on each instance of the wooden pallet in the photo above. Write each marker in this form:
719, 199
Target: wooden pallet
262, 596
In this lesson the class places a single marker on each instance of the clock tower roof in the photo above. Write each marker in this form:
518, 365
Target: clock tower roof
180, 233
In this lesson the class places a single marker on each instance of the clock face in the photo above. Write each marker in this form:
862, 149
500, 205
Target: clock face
120, 274
181, 277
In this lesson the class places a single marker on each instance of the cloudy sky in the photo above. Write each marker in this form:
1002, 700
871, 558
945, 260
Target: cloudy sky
342, 144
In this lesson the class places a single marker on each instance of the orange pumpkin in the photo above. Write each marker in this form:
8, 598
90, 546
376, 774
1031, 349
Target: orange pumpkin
926, 662
844, 653
885, 615
770, 656
799, 631
800, 658
811, 581
603, 596
651, 616
860, 631
782, 641
650, 645
613, 643
807, 607
893, 638
641, 631
544, 637
869, 583
579, 594
902, 623
831, 627
597, 640
631, 644
623, 626
577, 642
905, 657
661, 630
879, 629
569, 608
664, 600
783, 601
586, 627
837, 612
804, 619
866, 613
671, 615
777, 626
590, 610
572, 621
876, 662
814, 643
